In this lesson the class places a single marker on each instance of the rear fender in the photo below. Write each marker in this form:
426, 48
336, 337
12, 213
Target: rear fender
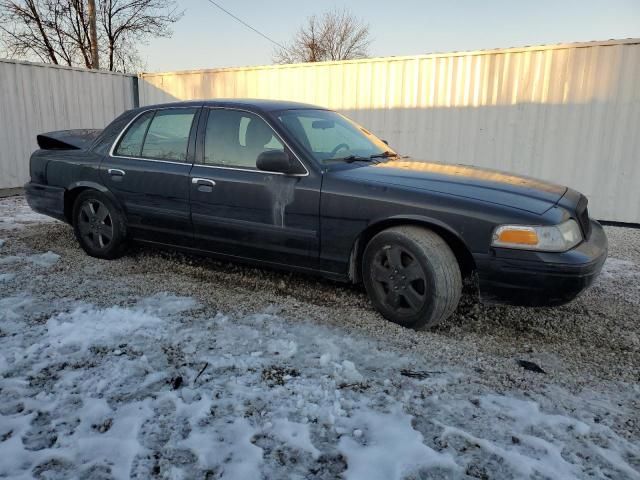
75, 188
88, 184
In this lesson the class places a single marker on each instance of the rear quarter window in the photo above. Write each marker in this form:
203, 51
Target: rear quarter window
131, 143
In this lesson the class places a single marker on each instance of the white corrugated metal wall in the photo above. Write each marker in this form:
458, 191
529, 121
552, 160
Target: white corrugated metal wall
36, 98
566, 113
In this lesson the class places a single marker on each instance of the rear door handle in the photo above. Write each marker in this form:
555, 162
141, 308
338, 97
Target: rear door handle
116, 174
204, 184
203, 181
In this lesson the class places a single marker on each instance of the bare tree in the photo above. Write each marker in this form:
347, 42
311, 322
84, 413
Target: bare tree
93, 33
59, 31
334, 35
25, 28
130, 22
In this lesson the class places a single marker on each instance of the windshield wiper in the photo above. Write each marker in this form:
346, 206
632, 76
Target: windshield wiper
360, 158
351, 158
385, 154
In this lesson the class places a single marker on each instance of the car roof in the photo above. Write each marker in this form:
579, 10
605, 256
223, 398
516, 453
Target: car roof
255, 104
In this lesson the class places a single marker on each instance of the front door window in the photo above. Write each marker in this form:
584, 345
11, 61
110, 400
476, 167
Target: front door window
235, 138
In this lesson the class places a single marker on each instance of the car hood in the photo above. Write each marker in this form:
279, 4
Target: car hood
482, 184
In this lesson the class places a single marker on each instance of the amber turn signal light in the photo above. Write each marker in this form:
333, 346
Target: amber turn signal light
546, 238
518, 237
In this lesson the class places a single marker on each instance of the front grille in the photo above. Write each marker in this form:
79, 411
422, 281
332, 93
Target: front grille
582, 213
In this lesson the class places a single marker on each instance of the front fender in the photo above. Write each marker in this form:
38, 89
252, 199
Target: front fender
450, 235
413, 218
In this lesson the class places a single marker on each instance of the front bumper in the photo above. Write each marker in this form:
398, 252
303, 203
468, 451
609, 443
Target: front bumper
46, 199
518, 277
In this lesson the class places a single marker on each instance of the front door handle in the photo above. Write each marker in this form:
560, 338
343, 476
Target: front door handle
204, 184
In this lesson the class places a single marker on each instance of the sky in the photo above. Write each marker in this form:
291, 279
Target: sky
206, 37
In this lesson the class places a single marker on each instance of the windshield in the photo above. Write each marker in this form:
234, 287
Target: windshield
328, 136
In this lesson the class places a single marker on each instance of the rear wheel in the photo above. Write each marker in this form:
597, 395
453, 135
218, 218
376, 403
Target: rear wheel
411, 276
98, 225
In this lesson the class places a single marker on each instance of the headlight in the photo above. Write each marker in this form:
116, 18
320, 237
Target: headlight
554, 238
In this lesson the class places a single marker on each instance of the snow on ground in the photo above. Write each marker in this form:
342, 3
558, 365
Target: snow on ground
17, 215
165, 386
618, 271
162, 386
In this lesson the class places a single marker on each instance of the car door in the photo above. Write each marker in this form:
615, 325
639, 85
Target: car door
148, 171
239, 210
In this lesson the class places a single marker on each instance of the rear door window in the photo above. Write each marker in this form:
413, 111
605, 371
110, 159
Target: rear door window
168, 135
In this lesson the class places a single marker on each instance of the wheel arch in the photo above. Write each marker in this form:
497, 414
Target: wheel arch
453, 240
76, 188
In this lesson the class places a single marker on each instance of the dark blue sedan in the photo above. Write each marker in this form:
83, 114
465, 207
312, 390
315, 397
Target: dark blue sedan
304, 188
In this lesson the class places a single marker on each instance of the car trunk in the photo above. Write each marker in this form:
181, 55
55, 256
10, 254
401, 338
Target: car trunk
68, 139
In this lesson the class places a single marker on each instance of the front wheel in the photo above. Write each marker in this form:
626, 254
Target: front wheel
98, 225
411, 276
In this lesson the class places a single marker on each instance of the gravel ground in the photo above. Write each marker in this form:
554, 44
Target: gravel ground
589, 350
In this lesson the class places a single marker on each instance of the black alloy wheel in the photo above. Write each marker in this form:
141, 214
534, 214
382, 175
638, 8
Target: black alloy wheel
95, 224
399, 280
99, 225
411, 276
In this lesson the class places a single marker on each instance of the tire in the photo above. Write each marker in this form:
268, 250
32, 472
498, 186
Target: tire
411, 276
99, 226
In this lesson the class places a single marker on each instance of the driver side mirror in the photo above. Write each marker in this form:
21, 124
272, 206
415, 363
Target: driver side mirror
279, 162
